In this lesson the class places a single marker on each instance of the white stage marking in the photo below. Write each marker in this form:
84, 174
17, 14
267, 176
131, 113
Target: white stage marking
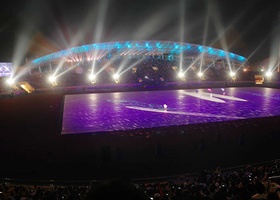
204, 96
183, 113
229, 97
211, 97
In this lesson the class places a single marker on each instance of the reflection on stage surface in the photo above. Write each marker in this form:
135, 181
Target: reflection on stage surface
105, 112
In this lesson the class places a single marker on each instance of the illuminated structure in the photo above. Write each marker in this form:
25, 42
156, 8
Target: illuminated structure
137, 61
5, 69
100, 50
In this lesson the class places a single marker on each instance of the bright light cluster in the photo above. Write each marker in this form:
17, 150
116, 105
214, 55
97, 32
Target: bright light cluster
52, 80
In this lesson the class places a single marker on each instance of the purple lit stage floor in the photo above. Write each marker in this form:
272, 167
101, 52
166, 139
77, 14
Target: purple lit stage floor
103, 112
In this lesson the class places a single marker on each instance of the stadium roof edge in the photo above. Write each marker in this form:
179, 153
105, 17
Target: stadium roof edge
144, 47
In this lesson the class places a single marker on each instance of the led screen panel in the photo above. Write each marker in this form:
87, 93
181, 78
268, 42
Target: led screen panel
5, 69
105, 112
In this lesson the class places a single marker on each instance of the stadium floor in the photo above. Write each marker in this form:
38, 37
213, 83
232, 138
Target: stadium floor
32, 145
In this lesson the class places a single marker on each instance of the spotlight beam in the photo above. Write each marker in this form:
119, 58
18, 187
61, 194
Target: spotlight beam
106, 65
221, 31
155, 22
64, 72
122, 65
182, 28
102, 11
134, 64
22, 45
192, 64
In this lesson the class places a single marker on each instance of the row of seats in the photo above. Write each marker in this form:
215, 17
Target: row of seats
247, 182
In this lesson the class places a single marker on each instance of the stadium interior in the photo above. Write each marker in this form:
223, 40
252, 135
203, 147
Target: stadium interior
34, 151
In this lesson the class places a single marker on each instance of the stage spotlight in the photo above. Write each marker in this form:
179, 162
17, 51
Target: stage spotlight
181, 74
11, 81
92, 78
116, 78
52, 80
232, 74
268, 74
201, 76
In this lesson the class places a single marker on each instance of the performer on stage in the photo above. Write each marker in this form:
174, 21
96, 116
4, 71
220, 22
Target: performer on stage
165, 107
224, 93
210, 90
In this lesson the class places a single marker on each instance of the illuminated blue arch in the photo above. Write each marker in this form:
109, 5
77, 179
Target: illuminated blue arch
150, 47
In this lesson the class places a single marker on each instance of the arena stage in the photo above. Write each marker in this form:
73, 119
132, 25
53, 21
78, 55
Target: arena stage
118, 111
76, 136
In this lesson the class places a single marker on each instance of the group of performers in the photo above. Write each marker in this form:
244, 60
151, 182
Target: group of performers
209, 89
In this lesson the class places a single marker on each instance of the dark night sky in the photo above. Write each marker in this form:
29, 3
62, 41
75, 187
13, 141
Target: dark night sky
36, 28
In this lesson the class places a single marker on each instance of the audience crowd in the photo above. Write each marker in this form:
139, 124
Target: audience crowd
255, 181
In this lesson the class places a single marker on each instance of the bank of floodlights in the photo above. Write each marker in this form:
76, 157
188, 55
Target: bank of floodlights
201, 75
232, 75
181, 75
92, 78
116, 78
53, 81
268, 74
12, 83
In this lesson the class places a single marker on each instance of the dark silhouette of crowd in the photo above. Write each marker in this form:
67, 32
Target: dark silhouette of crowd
250, 182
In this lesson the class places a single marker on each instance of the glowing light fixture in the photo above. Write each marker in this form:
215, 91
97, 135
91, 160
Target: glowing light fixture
232, 74
200, 74
181, 74
92, 78
52, 80
116, 78
268, 74
11, 81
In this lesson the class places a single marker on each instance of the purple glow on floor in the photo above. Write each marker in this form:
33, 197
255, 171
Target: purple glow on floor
102, 112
